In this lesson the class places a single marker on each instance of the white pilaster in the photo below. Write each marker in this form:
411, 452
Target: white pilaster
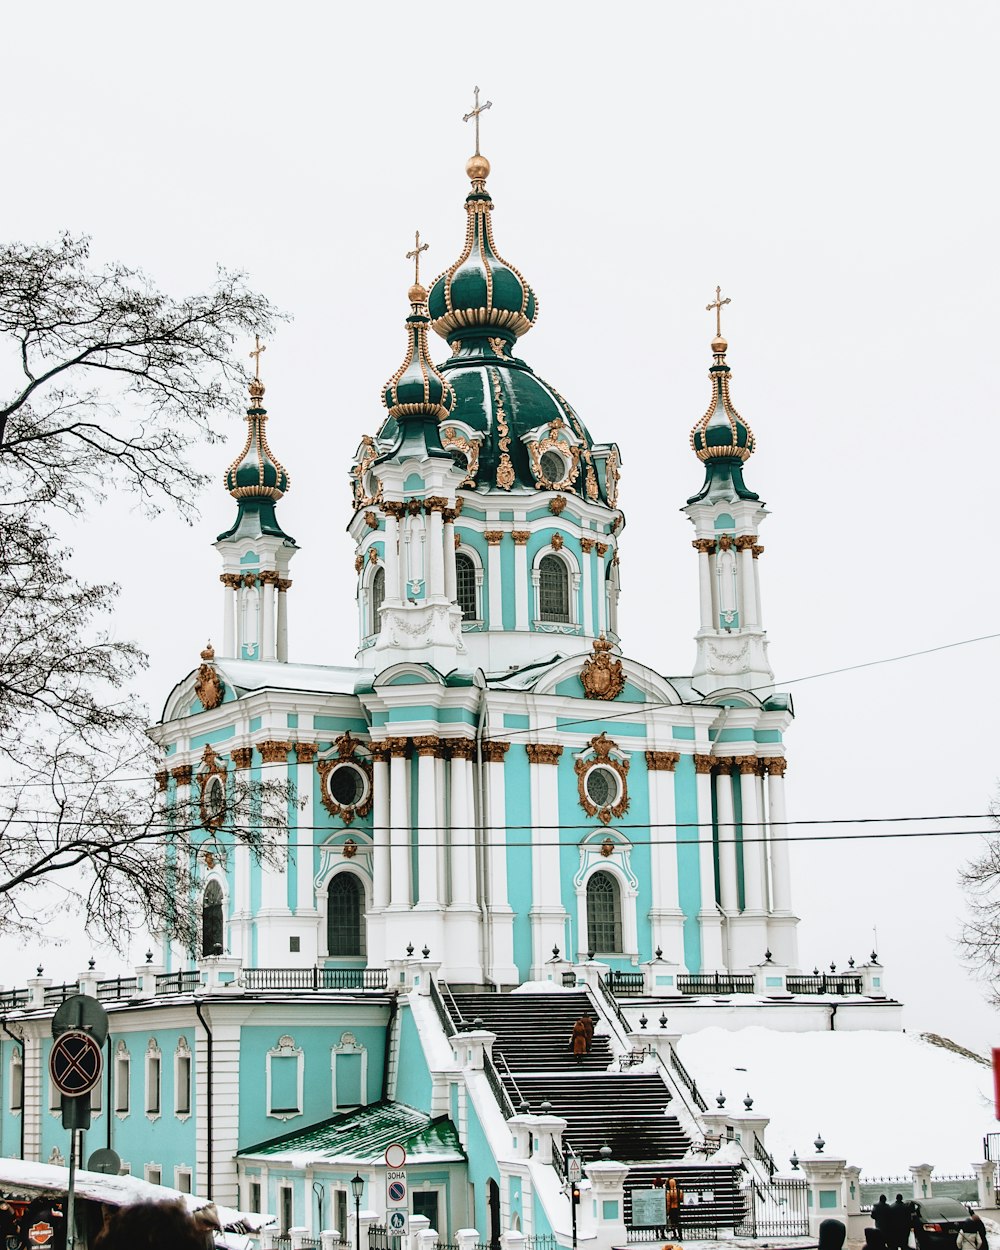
399, 822
728, 881
782, 923
428, 836
435, 557
494, 586
391, 558
463, 921
709, 920
228, 616
748, 581
749, 938
267, 579
306, 820
704, 583
282, 647
547, 914
521, 579
665, 915
587, 560
380, 831
450, 574
500, 918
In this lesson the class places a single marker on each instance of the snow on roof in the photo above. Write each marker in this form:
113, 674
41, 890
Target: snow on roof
881, 1100
24, 1176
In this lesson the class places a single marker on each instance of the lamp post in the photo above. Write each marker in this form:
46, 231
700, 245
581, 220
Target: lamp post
357, 1189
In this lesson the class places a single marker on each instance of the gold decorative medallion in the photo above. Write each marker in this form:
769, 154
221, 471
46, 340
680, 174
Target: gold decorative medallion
602, 677
208, 687
212, 789
347, 748
349, 849
603, 754
612, 476
607, 848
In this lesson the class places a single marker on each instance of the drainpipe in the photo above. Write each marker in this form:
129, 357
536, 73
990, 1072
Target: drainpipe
208, 1096
18, 1041
109, 1095
833, 1017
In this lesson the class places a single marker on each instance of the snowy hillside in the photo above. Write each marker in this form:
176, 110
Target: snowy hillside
881, 1100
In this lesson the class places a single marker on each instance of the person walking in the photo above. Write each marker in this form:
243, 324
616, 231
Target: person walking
882, 1219
900, 1222
588, 1024
977, 1228
578, 1041
674, 1198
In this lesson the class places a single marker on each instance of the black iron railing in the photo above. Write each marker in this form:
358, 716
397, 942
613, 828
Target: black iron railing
824, 983
378, 1237
612, 1002
569, 980
177, 982
56, 994
14, 998
715, 983
775, 1210
762, 1155
446, 1021
504, 1101
685, 1077
314, 978
628, 984
117, 987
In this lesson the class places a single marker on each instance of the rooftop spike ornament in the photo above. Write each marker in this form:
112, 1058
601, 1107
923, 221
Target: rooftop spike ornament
475, 112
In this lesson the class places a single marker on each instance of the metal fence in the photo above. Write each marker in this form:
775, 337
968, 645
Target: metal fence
177, 982
715, 983
117, 987
314, 978
627, 984
779, 1209
824, 983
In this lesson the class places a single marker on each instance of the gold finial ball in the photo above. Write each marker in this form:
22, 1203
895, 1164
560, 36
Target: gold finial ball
719, 345
417, 293
478, 168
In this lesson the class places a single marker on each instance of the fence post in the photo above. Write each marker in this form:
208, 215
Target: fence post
297, 1234
659, 978
607, 1184
521, 1130
267, 1236
984, 1170
825, 1178
852, 1198
418, 1224
548, 1136
368, 1218
467, 1238
427, 1240
329, 1239
921, 1173
511, 1240
469, 1047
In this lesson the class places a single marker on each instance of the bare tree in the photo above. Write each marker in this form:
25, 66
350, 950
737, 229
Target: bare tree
980, 936
106, 384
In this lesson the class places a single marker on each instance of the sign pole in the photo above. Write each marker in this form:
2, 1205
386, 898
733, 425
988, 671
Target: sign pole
71, 1194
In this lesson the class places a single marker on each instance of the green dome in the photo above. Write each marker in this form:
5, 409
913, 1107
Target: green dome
481, 290
255, 472
722, 440
416, 386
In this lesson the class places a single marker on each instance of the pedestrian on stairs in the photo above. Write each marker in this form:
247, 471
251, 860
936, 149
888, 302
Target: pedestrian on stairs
578, 1042
588, 1024
674, 1197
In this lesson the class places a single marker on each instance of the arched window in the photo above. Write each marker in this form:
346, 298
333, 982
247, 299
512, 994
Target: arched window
211, 920
611, 589
604, 914
465, 586
345, 915
553, 590
377, 598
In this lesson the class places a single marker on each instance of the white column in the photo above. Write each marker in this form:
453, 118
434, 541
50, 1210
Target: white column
728, 883
283, 585
756, 581
587, 560
435, 557
399, 822
521, 578
450, 575
391, 558
305, 753
708, 918
380, 831
753, 858
748, 586
441, 821
267, 579
428, 836
500, 918
494, 580
274, 879
703, 546
547, 914
462, 820
228, 616
600, 573
665, 913
402, 568
781, 885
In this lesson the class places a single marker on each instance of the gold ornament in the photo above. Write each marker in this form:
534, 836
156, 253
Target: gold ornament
602, 677
604, 752
208, 687
347, 748
349, 849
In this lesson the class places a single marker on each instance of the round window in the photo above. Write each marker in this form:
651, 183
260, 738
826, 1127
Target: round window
347, 785
213, 799
553, 466
602, 786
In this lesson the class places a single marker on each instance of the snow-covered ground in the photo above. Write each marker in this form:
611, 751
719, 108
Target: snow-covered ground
882, 1100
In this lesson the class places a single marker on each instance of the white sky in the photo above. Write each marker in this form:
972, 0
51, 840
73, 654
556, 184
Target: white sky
832, 166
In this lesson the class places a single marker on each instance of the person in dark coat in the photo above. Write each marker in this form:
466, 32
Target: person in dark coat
832, 1234
900, 1223
881, 1216
977, 1228
578, 1042
588, 1024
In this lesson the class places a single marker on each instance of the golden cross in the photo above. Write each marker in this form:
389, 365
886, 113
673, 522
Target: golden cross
480, 108
418, 247
255, 354
718, 305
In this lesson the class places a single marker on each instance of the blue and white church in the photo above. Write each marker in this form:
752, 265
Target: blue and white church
502, 821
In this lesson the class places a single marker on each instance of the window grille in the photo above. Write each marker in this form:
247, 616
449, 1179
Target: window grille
553, 590
465, 586
604, 914
378, 598
211, 920
345, 915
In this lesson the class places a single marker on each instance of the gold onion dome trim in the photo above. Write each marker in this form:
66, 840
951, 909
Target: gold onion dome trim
256, 472
721, 433
481, 289
416, 388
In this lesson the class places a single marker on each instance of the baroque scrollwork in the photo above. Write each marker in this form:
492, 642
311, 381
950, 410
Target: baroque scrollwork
557, 441
453, 439
602, 677
208, 685
603, 752
364, 458
612, 476
212, 789
348, 751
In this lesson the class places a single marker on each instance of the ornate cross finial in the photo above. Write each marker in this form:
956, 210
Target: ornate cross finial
255, 355
718, 304
480, 108
418, 247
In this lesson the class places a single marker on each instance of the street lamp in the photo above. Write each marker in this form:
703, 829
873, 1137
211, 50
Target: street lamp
357, 1189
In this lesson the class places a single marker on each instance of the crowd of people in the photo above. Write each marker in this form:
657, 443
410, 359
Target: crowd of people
895, 1221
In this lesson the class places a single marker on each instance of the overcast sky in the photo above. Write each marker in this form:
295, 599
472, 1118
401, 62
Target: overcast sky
831, 165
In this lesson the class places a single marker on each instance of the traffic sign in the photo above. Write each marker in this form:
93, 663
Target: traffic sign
395, 1155
107, 1161
75, 1063
395, 1187
575, 1170
83, 1013
397, 1222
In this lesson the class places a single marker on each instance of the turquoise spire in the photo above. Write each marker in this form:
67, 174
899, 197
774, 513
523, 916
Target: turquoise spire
256, 479
417, 396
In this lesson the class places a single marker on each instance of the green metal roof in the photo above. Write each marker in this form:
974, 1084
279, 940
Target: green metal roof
362, 1136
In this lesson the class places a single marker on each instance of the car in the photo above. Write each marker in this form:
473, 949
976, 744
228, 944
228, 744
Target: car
937, 1222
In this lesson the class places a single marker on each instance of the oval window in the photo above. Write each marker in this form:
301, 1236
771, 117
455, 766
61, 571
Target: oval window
213, 801
602, 786
347, 785
553, 466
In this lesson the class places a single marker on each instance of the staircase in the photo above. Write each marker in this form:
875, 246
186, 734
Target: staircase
628, 1111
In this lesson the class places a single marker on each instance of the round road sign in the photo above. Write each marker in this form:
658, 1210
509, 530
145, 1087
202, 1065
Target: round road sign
75, 1063
397, 1192
395, 1156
